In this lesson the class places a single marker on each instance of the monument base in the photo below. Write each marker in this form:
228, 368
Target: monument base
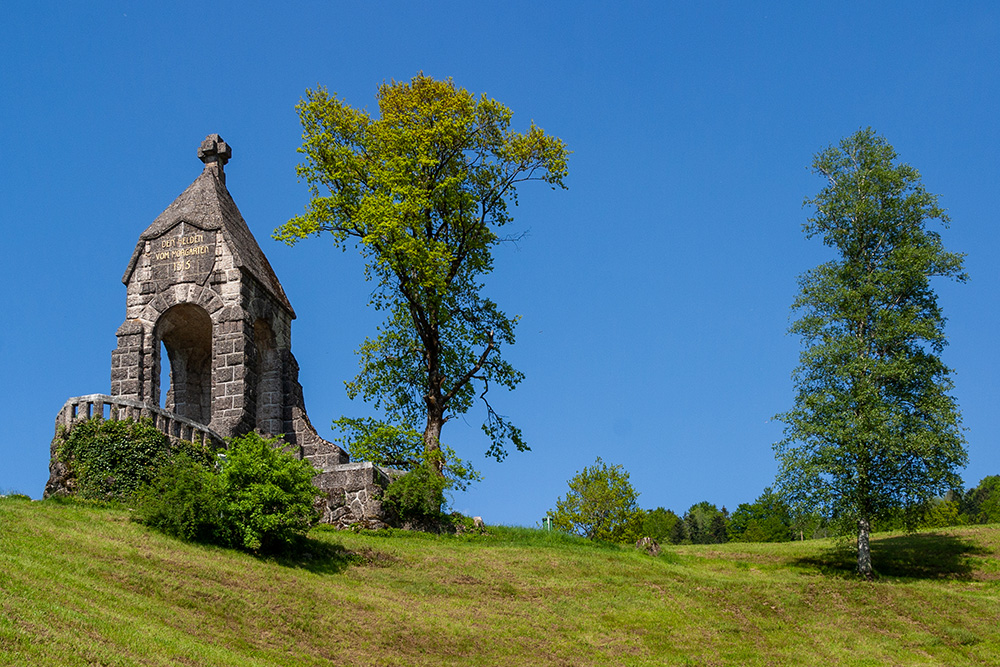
352, 495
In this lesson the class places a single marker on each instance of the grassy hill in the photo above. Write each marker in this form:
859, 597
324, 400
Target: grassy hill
81, 585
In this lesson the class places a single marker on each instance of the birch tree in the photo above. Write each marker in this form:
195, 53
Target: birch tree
874, 428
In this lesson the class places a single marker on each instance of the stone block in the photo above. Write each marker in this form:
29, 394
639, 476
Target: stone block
351, 494
129, 388
129, 328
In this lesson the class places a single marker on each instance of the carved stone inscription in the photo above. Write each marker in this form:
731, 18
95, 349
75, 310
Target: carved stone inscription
183, 254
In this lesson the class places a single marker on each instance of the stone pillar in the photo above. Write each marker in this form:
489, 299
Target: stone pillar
232, 402
127, 362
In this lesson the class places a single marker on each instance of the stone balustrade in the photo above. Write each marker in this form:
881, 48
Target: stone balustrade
114, 409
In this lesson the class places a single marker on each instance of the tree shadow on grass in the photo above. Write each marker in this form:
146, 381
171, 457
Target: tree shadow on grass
323, 557
915, 556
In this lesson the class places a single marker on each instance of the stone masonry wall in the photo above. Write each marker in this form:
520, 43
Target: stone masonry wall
352, 495
199, 285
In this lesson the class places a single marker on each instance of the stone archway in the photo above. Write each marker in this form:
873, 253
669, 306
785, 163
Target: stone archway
186, 333
199, 285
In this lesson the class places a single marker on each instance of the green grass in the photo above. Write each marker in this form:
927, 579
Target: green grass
83, 585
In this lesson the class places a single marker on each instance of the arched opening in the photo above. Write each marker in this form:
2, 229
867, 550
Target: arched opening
186, 333
164, 376
268, 380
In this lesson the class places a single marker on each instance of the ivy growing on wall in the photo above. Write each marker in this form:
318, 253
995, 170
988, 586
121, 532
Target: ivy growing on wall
111, 460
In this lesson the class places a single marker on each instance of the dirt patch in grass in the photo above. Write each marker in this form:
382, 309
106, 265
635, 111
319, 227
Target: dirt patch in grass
369, 557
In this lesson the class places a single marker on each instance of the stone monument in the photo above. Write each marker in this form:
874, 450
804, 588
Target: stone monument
199, 286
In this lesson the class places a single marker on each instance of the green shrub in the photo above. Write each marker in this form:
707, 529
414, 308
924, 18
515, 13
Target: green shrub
183, 501
267, 494
260, 498
600, 505
417, 498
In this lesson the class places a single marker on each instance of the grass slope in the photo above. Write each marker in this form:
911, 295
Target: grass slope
81, 585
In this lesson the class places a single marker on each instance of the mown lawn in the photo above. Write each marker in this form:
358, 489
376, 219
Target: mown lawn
81, 585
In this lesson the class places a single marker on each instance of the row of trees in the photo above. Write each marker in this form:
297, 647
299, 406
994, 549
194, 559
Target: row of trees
602, 504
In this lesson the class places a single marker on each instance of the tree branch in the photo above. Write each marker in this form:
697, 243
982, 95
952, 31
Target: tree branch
472, 371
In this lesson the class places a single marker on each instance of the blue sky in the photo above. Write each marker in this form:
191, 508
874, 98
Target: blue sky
654, 292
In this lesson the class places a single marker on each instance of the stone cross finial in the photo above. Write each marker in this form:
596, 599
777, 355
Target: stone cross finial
215, 153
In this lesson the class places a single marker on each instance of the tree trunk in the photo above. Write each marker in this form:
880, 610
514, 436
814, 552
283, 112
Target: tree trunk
432, 439
864, 552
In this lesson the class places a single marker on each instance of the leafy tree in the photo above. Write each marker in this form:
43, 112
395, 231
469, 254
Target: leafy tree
659, 524
982, 504
383, 444
767, 519
423, 190
874, 428
940, 513
678, 533
809, 525
718, 528
600, 505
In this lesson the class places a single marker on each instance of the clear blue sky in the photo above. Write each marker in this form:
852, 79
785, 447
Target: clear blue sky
654, 292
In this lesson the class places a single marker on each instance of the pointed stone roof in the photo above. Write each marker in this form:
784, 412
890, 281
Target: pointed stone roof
208, 205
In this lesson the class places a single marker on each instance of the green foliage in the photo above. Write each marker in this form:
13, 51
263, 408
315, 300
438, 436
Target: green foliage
113, 459
705, 523
184, 500
417, 498
660, 524
260, 499
941, 513
423, 191
767, 519
380, 443
982, 504
874, 428
267, 494
679, 533
400, 448
810, 526
600, 505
